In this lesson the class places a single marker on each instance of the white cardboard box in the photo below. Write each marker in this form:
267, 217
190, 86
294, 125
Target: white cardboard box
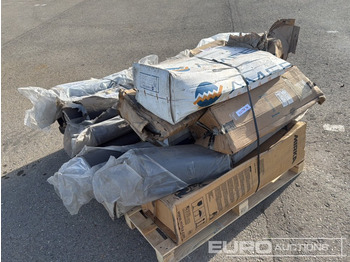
176, 88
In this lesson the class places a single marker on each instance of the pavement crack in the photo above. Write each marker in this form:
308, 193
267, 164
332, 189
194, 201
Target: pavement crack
231, 15
267, 227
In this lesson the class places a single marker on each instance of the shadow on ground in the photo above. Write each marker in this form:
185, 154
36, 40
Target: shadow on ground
51, 235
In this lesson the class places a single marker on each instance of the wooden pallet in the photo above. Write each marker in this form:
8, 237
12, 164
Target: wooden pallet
167, 250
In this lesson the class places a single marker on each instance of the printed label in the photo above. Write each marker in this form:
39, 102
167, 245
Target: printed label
243, 110
198, 211
149, 82
187, 214
284, 97
224, 195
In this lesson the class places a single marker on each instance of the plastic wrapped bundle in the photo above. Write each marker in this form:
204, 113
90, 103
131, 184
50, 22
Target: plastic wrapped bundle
48, 103
76, 136
73, 181
143, 175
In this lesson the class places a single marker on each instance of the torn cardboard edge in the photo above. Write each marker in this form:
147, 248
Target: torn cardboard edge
280, 40
147, 125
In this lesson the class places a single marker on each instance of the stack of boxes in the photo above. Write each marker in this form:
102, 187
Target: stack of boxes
234, 100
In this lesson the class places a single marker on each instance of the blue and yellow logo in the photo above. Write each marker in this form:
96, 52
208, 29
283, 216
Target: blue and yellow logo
207, 94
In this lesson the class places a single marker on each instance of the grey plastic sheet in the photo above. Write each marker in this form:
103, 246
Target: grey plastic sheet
147, 174
76, 136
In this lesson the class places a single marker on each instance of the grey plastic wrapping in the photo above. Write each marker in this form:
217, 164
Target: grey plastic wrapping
48, 103
73, 181
143, 175
76, 136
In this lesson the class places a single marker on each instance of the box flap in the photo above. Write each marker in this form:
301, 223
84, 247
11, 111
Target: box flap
147, 125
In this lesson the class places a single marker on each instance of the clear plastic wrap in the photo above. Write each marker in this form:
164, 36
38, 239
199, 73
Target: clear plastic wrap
45, 108
143, 175
48, 103
221, 36
73, 181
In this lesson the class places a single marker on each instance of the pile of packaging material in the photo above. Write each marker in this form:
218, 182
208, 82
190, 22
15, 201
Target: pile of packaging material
85, 110
202, 115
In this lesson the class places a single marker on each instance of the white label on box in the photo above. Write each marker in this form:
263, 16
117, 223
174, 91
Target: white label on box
284, 97
149, 82
243, 110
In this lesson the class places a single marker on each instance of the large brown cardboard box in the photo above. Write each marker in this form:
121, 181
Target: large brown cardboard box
229, 127
185, 213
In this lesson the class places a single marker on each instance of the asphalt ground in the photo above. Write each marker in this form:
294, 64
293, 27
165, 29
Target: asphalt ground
45, 43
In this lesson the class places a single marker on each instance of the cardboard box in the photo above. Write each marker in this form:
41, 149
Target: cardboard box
177, 88
229, 126
185, 213
148, 126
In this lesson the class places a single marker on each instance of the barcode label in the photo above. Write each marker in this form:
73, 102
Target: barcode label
243, 110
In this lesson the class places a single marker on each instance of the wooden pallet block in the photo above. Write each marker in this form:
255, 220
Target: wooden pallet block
168, 251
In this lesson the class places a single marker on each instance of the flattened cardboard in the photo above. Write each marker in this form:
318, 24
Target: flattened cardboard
281, 39
185, 213
287, 33
229, 126
148, 126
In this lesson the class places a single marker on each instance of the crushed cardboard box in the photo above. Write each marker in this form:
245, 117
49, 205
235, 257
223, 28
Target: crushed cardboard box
229, 127
183, 214
148, 126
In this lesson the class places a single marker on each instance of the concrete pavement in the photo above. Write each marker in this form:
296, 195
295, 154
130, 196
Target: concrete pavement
45, 43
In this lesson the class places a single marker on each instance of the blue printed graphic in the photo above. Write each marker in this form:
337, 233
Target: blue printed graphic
207, 94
